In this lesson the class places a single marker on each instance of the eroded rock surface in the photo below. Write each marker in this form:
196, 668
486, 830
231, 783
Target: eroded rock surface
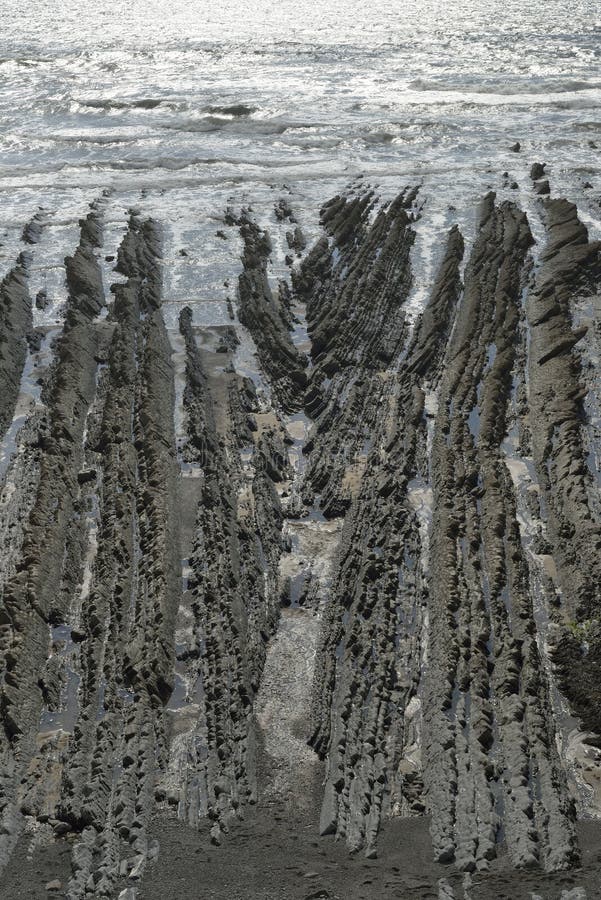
325, 562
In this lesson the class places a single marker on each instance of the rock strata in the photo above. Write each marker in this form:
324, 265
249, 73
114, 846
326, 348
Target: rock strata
570, 267
16, 322
354, 283
307, 561
268, 320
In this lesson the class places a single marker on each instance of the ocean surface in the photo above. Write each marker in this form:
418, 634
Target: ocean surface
180, 108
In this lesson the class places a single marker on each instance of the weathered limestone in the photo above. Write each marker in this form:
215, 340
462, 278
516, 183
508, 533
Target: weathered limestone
162, 518
268, 320
15, 324
354, 285
570, 266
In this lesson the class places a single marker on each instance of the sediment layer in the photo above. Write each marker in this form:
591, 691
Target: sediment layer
16, 322
354, 283
268, 320
335, 559
570, 267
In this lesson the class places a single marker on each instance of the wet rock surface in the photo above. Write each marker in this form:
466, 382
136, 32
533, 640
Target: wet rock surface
313, 574
15, 323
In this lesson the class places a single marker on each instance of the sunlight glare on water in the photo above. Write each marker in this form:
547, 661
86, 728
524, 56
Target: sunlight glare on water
196, 103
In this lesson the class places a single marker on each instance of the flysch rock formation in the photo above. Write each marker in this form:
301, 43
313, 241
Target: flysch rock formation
331, 568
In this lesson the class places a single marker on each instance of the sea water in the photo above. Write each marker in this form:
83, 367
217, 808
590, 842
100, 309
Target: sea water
180, 108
